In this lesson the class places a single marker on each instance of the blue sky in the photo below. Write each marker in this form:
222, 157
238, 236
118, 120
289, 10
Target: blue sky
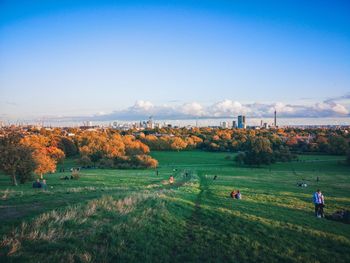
179, 58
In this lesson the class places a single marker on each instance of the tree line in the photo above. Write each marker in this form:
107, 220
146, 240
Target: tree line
255, 147
319, 141
23, 154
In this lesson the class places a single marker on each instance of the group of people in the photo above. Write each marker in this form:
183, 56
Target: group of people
66, 177
301, 184
41, 185
318, 200
236, 194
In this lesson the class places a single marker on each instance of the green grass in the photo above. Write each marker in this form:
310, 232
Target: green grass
136, 216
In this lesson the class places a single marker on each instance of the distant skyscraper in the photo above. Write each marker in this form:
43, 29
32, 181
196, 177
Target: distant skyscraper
241, 122
234, 124
275, 122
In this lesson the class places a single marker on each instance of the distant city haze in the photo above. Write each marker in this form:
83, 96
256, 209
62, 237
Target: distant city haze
104, 61
281, 122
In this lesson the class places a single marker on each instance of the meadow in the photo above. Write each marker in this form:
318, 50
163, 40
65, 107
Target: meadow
137, 216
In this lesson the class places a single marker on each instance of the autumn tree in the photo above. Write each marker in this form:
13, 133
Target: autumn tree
178, 144
96, 145
45, 154
133, 146
322, 144
16, 159
111, 150
44, 164
145, 161
292, 142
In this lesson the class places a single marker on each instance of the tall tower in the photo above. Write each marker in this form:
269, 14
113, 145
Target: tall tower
241, 122
275, 123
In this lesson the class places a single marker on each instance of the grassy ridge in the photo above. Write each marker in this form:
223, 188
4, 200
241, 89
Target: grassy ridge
134, 215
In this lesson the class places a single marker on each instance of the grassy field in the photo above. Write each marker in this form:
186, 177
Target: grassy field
136, 216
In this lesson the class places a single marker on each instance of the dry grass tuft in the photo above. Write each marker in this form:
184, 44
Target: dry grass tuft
50, 226
85, 257
5, 194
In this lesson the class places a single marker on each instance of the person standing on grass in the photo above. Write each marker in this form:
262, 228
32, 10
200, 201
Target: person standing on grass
44, 185
37, 184
320, 211
317, 200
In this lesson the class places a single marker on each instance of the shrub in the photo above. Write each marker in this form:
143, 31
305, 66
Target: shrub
106, 163
85, 161
75, 174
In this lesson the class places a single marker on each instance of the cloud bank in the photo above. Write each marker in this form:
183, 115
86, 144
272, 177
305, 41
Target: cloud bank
141, 110
226, 109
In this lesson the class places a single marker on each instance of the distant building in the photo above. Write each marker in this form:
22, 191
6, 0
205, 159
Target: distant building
224, 125
158, 125
114, 124
234, 124
275, 120
150, 123
241, 122
87, 123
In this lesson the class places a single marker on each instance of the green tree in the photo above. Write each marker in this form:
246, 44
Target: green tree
283, 154
239, 159
85, 161
27, 166
258, 151
68, 147
337, 145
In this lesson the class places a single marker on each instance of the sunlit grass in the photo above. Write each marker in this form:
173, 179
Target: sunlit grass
136, 216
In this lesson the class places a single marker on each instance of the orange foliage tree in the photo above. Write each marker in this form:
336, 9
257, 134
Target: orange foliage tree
44, 164
45, 155
178, 144
113, 150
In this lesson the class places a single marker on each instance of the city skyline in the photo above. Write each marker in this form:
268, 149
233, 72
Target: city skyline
180, 60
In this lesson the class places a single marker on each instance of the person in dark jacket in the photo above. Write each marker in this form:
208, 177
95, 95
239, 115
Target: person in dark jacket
37, 184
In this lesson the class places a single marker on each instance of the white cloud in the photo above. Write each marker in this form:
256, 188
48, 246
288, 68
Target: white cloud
192, 109
281, 108
330, 107
338, 108
221, 109
141, 105
227, 108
